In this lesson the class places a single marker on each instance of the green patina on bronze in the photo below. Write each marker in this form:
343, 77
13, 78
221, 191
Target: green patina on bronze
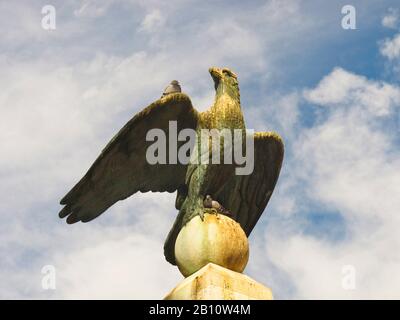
122, 170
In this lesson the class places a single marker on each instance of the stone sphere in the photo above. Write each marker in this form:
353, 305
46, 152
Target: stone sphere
218, 239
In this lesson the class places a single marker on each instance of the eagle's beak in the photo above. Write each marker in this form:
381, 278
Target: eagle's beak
216, 74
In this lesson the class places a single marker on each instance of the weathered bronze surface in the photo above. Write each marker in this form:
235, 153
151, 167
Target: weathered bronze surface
122, 170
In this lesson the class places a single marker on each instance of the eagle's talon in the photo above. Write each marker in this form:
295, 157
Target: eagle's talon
201, 214
211, 211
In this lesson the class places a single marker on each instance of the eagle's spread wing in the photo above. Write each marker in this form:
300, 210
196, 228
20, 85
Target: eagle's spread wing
122, 168
246, 196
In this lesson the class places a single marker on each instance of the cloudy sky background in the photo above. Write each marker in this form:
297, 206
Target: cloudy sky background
332, 94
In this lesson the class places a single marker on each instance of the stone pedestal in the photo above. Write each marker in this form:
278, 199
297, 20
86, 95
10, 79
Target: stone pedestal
213, 282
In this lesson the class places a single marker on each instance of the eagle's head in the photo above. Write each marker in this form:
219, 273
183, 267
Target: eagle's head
223, 76
225, 83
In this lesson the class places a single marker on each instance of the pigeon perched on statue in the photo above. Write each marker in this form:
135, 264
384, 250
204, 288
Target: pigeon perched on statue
212, 204
173, 87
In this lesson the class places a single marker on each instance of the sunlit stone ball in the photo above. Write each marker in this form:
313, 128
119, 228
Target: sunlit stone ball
218, 239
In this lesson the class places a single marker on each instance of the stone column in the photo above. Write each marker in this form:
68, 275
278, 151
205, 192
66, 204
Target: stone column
213, 282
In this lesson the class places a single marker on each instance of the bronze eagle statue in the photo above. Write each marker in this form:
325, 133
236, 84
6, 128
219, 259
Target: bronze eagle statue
122, 169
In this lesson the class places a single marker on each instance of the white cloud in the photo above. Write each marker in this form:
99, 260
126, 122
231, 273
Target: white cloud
91, 9
153, 21
391, 19
342, 88
390, 48
127, 267
22, 23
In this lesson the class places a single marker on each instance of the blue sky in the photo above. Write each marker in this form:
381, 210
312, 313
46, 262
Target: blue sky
332, 94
